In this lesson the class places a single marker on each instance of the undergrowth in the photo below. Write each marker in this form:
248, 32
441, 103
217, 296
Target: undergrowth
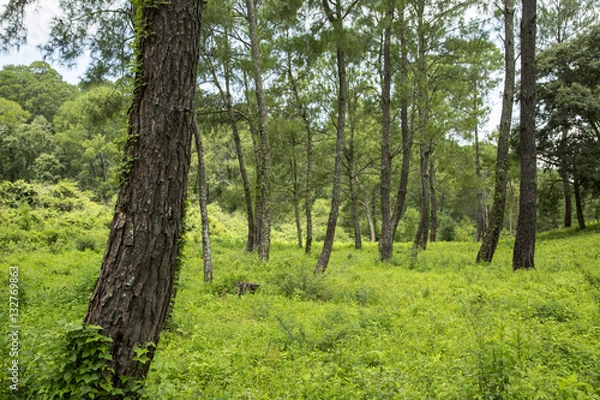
439, 326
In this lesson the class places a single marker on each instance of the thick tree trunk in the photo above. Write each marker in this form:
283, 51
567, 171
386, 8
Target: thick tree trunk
386, 241
203, 200
579, 205
492, 234
135, 286
524, 250
264, 174
336, 21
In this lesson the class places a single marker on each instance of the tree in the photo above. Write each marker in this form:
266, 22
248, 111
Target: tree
569, 104
492, 234
219, 53
264, 150
336, 19
135, 286
38, 88
524, 250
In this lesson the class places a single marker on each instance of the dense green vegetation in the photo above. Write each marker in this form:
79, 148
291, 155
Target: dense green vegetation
439, 326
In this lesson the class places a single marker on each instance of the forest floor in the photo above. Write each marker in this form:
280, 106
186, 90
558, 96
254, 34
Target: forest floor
439, 326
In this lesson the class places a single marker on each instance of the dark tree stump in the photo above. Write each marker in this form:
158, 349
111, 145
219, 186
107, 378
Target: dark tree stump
246, 287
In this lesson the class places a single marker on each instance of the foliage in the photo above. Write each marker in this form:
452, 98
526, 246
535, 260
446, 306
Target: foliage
436, 327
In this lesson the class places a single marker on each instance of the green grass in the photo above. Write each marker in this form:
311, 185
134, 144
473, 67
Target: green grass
439, 327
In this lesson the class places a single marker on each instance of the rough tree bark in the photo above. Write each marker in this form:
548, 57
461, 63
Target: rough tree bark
524, 250
203, 201
134, 289
386, 241
336, 21
264, 173
492, 234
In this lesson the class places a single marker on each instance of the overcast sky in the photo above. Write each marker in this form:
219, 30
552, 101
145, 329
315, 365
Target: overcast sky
37, 21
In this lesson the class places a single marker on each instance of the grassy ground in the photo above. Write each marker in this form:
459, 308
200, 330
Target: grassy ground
436, 327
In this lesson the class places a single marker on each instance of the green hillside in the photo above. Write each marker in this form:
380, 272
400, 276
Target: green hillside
438, 326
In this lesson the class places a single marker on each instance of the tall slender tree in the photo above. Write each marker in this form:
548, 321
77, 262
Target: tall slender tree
387, 239
492, 234
524, 250
336, 18
264, 151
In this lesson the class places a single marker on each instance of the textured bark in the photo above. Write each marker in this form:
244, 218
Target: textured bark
492, 234
336, 21
135, 286
524, 250
386, 241
203, 201
264, 173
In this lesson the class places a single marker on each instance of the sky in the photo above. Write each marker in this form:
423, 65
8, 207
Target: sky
37, 21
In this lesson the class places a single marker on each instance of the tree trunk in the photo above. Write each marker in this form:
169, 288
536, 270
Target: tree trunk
386, 241
355, 214
336, 21
103, 166
420, 242
524, 250
309, 161
492, 234
579, 205
296, 189
373, 236
433, 230
203, 200
406, 133
135, 286
480, 212
257, 161
264, 174
568, 204
226, 96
